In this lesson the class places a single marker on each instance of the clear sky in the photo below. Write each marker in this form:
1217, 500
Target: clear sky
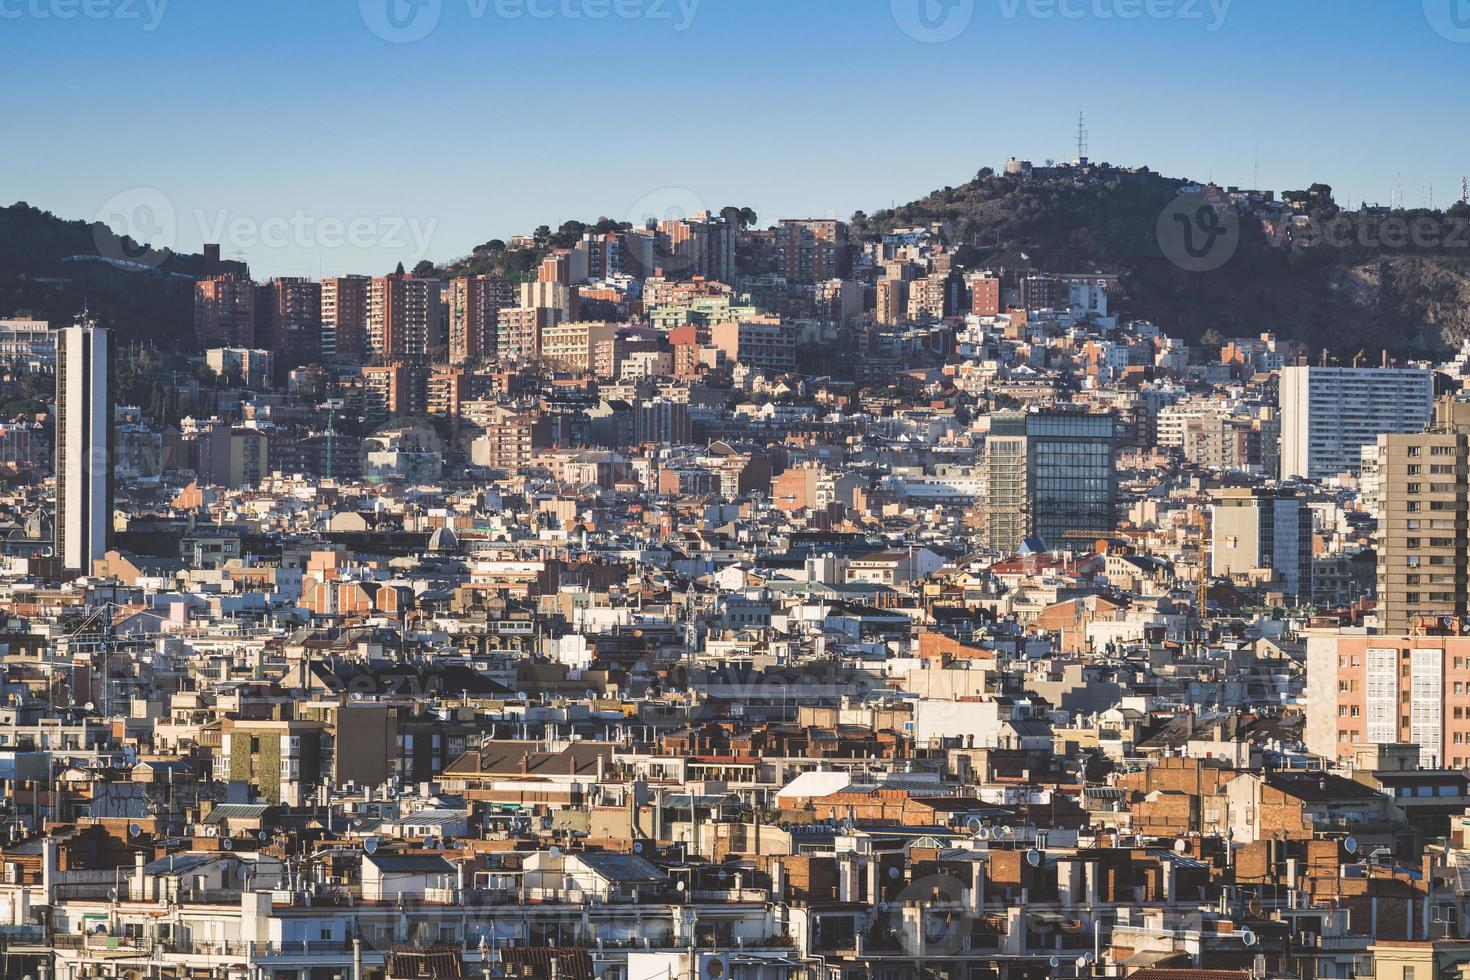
326, 136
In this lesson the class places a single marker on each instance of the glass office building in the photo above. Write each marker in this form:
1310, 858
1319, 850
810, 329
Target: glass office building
1050, 474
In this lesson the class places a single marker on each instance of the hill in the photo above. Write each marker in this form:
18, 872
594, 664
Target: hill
1346, 281
50, 268
1310, 272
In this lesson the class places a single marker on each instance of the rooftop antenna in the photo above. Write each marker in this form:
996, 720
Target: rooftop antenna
1081, 138
1465, 190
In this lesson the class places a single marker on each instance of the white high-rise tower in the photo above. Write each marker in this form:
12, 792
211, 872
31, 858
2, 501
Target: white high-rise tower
83, 447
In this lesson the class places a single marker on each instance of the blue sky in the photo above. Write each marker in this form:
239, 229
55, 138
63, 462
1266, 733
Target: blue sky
312, 144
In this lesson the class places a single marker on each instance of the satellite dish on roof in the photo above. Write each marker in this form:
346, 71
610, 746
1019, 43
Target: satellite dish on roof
1247, 937
591, 694
681, 886
227, 844
264, 836
548, 822
1055, 962
1180, 846
556, 853
637, 847
893, 872
431, 842
974, 825
1350, 845
90, 706
135, 830
522, 696
112, 894
357, 695
1033, 858
370, 846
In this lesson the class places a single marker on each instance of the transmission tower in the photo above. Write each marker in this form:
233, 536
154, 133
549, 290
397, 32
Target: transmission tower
1081, 137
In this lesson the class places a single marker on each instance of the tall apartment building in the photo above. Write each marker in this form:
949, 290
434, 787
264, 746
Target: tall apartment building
1328, 414
511, 439
27, 344
84, 448
344, 315
550, 296
1049, 474
403, 316
448, 389
254, 368
573, 346
1422, 482
474, 309
565, 266
765, 343
390, 390
1232, 443
700, 246
518, 332
224, 312
1389, 688
934, 297
985, 295
289, 320
810, 250
892, 301
1263, 537
606, 254
236, 457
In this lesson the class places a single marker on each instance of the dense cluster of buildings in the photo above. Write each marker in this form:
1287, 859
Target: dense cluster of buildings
723, 602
